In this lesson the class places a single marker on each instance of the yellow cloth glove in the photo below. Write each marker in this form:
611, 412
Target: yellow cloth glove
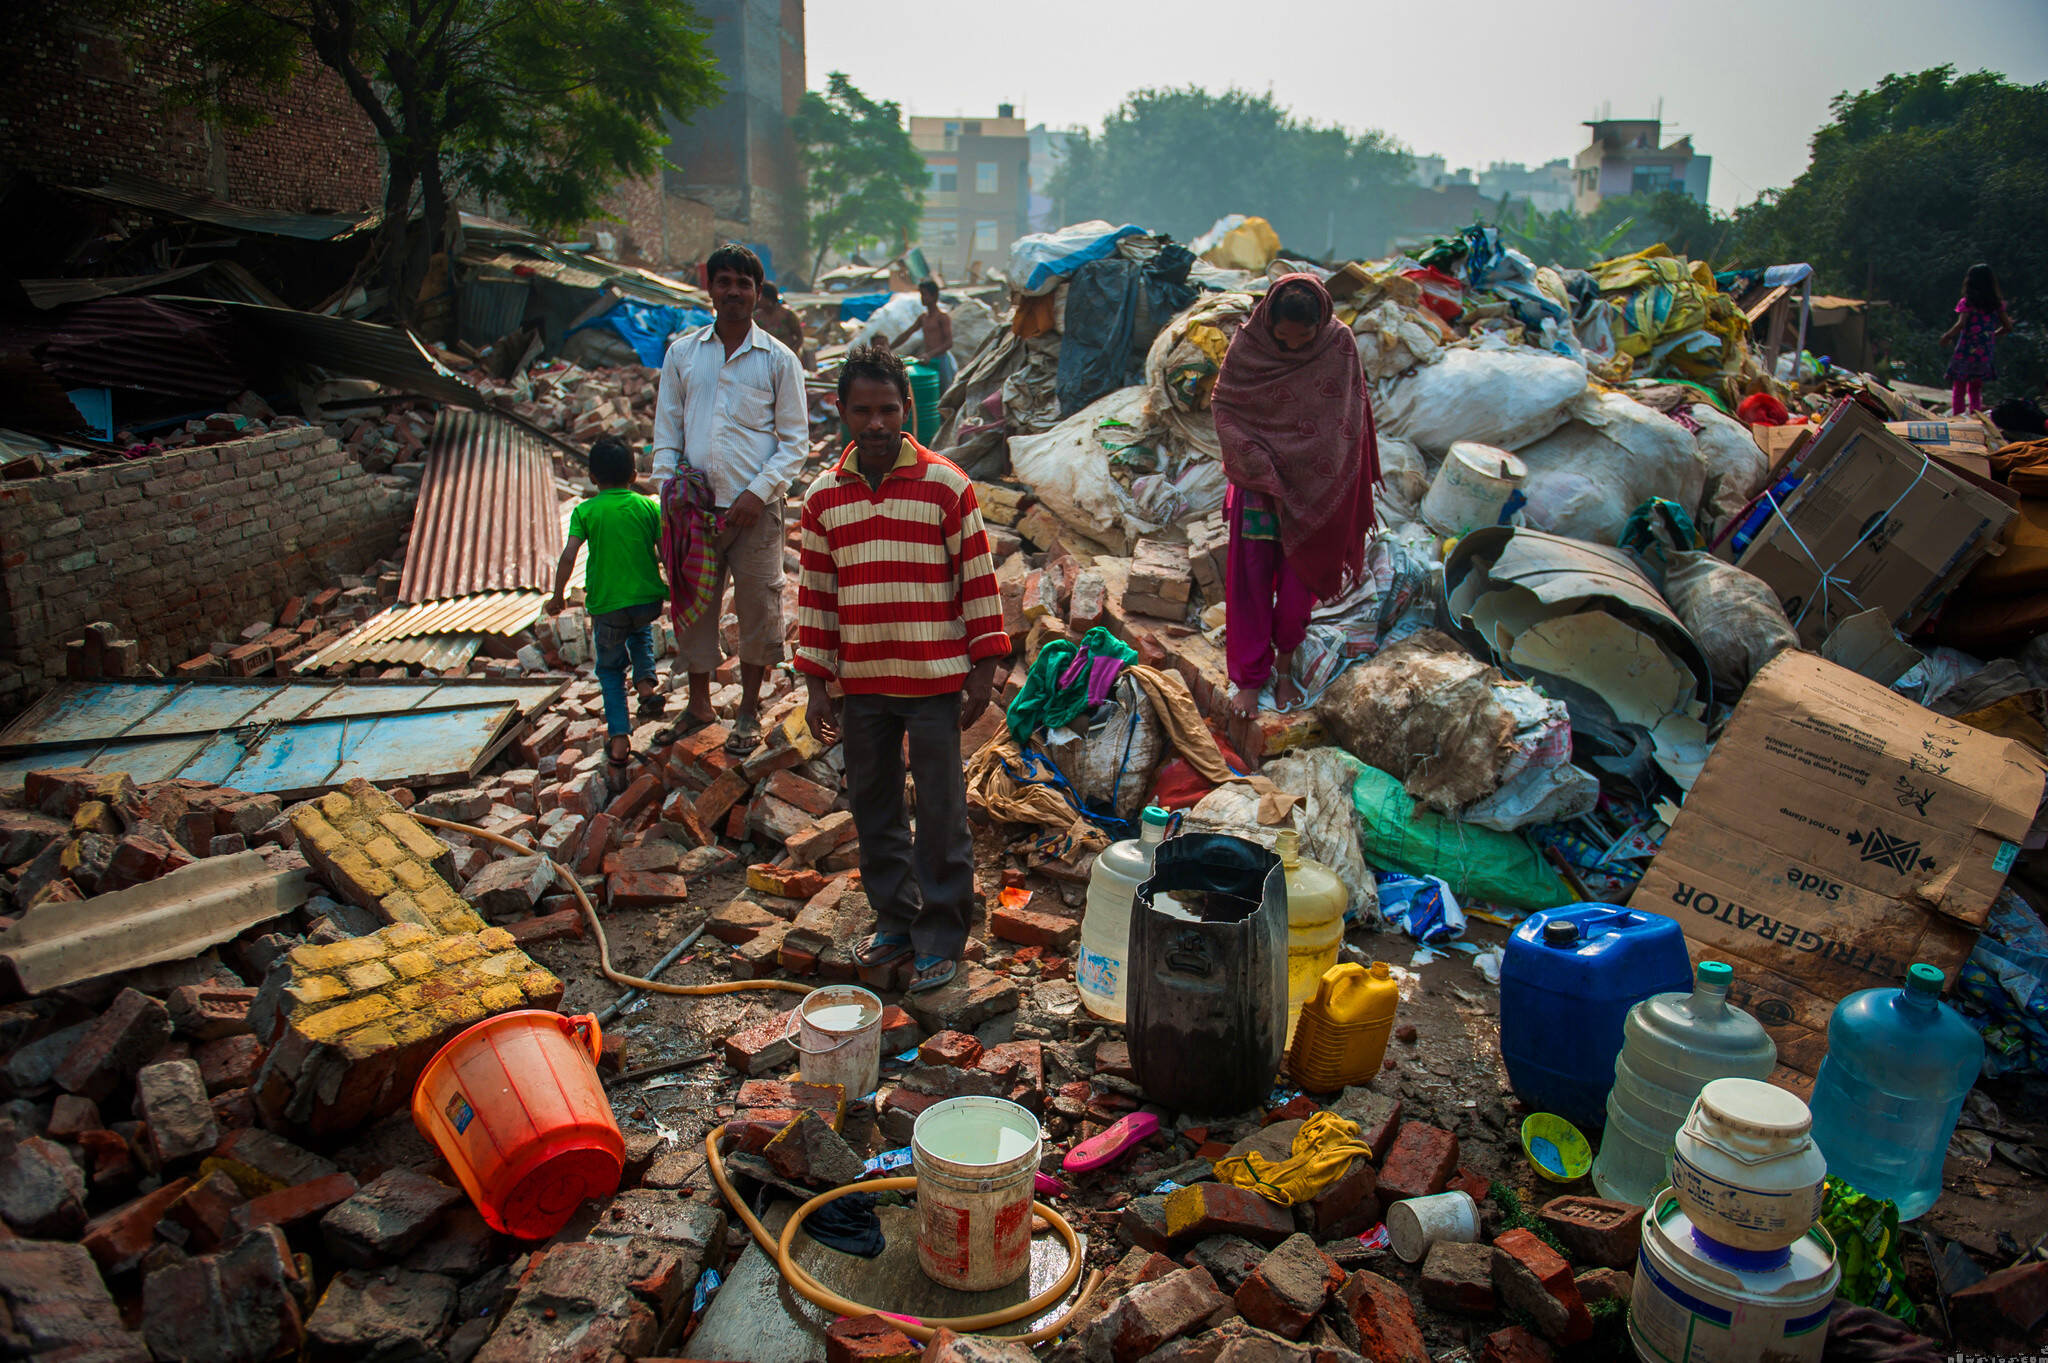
1323, 1150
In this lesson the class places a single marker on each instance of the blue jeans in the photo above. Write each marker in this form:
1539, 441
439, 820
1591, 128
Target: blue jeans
621, 633
948, 368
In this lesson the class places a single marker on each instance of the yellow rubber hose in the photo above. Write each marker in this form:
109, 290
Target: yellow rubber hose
604, 950
819, 1295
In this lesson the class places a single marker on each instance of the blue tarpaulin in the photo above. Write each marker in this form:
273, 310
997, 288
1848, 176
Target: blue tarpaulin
861, 306
647, 327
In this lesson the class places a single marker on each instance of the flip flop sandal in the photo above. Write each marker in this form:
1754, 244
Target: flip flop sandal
881, 948
652, 706
930, 972
690, 725
745, 737
1112, 1145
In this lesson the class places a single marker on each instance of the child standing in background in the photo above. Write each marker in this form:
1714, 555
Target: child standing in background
1981, 321
622, 590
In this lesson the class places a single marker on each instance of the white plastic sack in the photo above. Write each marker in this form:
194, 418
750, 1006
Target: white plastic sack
973, 324
1038, 262
1499, 395
1732, 615
890, 319
1392, 340
1067, 468
1611, 457
1030, 401
1325, 818
1404, 478
1731, 453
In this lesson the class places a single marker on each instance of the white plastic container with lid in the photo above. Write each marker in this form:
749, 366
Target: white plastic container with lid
1673, 1045
1746, 1169
1696, 1301
1100, 963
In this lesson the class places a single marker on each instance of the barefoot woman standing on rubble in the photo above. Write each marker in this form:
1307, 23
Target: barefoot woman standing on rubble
1298, 449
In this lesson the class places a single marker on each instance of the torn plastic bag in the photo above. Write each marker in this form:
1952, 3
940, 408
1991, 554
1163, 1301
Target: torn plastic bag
1421, 906
1611, 457
1734, 616
1031, 402
1115, 308
1735, 465
1067, 468
1494, 394
1110, 755
1404, 478
1325, 819
1041, 260
1393, 340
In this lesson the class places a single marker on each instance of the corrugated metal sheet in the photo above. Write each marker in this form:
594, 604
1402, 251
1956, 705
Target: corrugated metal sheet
435, 634
134, 191
364, 350
222, 280
434, 652
181, 349
273, 737
486, 519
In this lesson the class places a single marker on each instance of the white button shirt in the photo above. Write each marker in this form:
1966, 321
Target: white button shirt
741, 420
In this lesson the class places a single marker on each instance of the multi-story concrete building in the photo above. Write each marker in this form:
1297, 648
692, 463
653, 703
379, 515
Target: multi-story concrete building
977, 191
1627, 156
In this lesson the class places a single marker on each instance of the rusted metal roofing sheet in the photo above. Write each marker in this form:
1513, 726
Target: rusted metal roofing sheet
434, 652
134, 191
435, 634
293, 738
345, 346
486, 519
218, 279
184, 349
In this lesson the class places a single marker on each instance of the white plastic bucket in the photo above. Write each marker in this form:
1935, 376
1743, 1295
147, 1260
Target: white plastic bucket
1473, 484
1745, 1167
1419, 1222
975, 1160
1697, 1304
839, 1035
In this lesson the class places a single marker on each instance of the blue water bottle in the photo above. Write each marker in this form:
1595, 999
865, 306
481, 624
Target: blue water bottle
1885, 1103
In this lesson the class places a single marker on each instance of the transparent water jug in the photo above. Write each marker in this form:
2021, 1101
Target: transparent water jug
1316, 901
1899, 1064
1673, 1045
1100, 967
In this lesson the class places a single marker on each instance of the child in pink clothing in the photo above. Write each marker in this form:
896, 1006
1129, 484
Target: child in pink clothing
1981, 320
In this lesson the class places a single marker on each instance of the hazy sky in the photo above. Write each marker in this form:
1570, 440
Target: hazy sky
1497, 81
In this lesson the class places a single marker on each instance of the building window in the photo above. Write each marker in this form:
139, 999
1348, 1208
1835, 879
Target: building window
985, 235
973, 129
944, 178
1650, 180
985, 177
939, 233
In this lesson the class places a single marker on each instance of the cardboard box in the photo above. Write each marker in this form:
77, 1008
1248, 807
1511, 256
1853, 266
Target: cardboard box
1962, 445
1873, 524
1781, 443
1838, 834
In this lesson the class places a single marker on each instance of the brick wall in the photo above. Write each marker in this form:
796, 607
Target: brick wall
180, 549
77, 100
656, 227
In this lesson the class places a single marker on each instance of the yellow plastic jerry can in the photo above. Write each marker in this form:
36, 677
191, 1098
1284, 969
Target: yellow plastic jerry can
1344, 1028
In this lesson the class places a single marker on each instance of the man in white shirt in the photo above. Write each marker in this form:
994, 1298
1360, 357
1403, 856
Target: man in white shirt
732, 406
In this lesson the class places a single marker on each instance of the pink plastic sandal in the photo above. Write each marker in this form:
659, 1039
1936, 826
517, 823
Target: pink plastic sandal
1112, 1145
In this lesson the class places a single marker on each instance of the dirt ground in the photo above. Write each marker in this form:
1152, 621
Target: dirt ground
1450, 1075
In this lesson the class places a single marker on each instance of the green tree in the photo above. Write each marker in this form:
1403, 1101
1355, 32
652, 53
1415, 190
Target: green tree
863, 180
1621, 225
1910, 184
1175, 160
542, 105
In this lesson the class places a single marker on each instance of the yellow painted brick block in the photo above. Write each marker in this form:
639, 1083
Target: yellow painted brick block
461, 921
453, 950
399, 936
312, 826
412, 964
370, 879
412, 837
336, 806
368, 976
402, 908
413, 876
494, 939
454, 1010
540, 984
364, 1042
497, 998
410, 1028
384, 851
335, 955
407, 997
503, 966
435, 898
312, 990
331, 1023
356, 829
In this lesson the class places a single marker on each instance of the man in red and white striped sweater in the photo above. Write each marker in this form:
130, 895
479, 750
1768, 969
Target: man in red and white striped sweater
897, 603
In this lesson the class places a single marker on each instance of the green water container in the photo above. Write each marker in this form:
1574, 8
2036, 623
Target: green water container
924, 402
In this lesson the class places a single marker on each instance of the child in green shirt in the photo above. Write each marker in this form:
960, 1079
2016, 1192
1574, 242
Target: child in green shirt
622, 589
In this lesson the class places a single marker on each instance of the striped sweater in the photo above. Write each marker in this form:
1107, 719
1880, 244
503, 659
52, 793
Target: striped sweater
898, 594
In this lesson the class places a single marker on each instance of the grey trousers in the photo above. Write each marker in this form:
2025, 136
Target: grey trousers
925, 890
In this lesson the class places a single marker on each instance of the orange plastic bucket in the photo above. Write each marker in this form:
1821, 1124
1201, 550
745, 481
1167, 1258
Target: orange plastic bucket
515, 1107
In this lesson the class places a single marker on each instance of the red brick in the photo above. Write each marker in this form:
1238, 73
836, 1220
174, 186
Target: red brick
597, 839
302, 1202
1605, 1284
546, 927
1421, 1163
1154, 1314
899, 1030
819, 837
118, 1239
1203, 1209
958, 1049
208, 1012
762, 1047
645, 890
545, 737
899, 1111
718, 798
1515, 1345
1459, 1277
739, 820
1288, 1287
1384, 1319
1349, 1205
1472, 1184
1533, 1278
827, 1100
1033, 929
126, 1035
1595, 1230
812, 798
642, 793
869, 1339
229, 1062
2004, 1310
740, 921
207, 1211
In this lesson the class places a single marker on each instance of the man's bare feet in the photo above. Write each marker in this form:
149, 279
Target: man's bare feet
1286, 693
1244, 702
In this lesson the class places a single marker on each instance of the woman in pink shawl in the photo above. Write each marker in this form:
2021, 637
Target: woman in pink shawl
1298, 449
